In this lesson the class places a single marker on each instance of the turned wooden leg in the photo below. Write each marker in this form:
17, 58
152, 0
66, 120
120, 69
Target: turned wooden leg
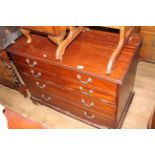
57, 39
74, 32
26, 33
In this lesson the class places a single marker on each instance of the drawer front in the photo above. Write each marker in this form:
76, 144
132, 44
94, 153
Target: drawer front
73, 97
50, 78
86, 115
148, 39
65, 76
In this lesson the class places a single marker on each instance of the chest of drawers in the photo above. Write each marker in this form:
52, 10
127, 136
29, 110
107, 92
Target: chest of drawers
78, 85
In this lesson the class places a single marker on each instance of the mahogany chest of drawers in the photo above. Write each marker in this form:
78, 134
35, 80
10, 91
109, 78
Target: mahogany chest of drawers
78, 85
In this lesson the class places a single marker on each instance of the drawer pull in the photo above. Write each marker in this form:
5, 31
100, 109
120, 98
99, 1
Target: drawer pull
84, 82
31, 64
37, 74
86, 93
89, 116
48, 98
40, 85
87, 105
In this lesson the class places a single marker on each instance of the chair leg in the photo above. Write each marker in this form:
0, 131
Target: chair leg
57, 39
122, 42
26, 33
74, 32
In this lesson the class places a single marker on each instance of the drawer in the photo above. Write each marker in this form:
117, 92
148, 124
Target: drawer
86, 115
50, 78
148, 38
65, 76
70, 96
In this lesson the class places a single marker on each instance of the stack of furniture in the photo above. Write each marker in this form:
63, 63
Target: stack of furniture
78, 85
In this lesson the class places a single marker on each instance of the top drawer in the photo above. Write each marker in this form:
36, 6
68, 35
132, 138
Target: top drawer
63, 76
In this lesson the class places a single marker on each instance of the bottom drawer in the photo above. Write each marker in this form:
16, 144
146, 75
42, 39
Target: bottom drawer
85, 115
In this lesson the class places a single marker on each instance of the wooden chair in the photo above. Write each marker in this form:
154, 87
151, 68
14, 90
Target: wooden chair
56, 34
125, 34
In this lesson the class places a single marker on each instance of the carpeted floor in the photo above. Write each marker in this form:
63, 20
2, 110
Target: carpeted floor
137, 116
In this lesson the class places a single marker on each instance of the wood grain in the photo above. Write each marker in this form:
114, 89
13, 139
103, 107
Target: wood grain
147, 51
69, 86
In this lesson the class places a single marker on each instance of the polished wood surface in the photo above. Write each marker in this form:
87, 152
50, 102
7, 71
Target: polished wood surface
86, 115
125, 91
85, 44
125, 35
72, 84
64, 94
147, 51
56, 34
78, 85
102, 88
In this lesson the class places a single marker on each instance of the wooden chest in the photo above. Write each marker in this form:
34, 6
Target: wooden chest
78, 85
147, 51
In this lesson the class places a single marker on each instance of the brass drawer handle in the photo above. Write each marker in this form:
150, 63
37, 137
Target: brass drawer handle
89, 116
31, 64
48, 98
37, 74
40, 86
84, 82
87, 105
86, 93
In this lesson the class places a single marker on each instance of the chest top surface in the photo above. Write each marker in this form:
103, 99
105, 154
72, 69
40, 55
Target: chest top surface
91, 51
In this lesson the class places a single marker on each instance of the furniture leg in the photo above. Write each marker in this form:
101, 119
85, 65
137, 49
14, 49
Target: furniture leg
72, 35
119, 48
57, 39
26, 33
